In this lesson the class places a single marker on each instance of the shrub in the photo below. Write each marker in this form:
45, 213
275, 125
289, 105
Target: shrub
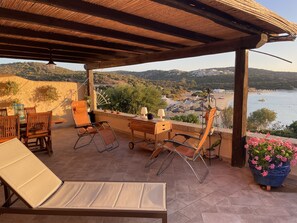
9, 88
191, 118
46, 93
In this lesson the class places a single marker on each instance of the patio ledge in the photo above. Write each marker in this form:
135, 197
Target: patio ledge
120, 122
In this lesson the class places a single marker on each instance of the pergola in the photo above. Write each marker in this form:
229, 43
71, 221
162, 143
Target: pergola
105, 33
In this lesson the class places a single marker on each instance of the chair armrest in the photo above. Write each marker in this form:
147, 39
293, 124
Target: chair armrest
83, 126
99, 122
188, 136
175, 143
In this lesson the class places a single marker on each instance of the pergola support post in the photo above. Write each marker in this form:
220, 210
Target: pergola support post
240, 108
91, 89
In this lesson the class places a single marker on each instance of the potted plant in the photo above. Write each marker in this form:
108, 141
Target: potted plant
270, 160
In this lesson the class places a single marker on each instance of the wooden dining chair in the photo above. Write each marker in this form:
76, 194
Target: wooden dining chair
3, 111
29, 110
9, 127
38, 128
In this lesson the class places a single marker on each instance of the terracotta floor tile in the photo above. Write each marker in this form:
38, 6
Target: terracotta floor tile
227, 195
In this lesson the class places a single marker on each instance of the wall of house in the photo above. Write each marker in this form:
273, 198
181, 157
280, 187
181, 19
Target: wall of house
120, 122
26, 95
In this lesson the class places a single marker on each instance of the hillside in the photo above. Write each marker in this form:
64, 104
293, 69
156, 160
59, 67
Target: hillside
222, 78
170, 81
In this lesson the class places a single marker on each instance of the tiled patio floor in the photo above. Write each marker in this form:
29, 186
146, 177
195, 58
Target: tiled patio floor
227, 195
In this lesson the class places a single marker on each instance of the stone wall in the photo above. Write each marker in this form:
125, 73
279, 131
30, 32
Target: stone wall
26, 95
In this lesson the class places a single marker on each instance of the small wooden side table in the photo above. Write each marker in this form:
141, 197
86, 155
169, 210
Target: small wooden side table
153, 127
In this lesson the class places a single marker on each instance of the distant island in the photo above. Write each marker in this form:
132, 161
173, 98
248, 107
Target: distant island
172, 81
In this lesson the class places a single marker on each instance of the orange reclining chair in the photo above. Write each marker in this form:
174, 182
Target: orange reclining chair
86, 128
189, 149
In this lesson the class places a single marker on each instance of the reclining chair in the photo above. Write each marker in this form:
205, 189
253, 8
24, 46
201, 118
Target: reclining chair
86, 128
26, 178
189, 149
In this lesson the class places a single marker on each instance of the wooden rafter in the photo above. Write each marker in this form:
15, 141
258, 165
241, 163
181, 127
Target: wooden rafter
55, 52
219, 17
128, 19
18, 55
249, 42
31, 18
57, 46
73, 39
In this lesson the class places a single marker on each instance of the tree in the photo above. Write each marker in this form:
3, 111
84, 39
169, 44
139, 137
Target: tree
293, 127
260, 119
227, 117
190, 118
130, 99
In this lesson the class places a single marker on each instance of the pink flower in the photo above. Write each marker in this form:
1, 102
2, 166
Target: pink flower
279, 156
269, 148
272, 166
254, 162
284, 159
288, 145
264, 173
246, 146
267, 158
267, 135
256, 158
293, 162
258, 167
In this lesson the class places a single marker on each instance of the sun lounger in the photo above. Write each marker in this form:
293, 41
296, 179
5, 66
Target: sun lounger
27, 178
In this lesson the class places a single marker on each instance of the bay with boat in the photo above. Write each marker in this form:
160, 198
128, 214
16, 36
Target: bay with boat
283, 102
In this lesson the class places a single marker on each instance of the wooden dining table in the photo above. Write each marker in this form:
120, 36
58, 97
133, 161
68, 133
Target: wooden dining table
55, 120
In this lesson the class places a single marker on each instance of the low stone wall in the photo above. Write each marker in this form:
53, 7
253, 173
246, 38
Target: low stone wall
120, 122
67, 91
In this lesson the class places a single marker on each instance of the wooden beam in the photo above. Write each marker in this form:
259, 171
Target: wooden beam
55, 52
16, 41
73, 39
91, 89
13, 55
240, 108
100, 11
30, 18
249, 42
215, 15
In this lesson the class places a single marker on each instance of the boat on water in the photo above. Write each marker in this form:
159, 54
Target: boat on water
261, 100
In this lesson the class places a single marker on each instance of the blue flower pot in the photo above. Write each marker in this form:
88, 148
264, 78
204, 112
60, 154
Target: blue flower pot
275, 177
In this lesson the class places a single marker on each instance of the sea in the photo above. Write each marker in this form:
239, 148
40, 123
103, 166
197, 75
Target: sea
283, 102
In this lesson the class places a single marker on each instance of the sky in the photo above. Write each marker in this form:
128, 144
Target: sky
286, 50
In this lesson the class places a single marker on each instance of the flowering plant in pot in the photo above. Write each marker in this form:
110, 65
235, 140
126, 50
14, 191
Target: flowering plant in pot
270, 160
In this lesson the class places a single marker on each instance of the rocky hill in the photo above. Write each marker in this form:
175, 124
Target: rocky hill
172, 79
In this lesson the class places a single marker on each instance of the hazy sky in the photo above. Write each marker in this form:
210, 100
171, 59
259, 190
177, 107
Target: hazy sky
287, 50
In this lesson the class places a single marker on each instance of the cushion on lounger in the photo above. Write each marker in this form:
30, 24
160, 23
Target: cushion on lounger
109, 195
26, 174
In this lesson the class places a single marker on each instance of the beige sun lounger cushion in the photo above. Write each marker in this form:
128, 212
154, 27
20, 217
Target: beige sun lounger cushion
109, 195
26, 174
41, 188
